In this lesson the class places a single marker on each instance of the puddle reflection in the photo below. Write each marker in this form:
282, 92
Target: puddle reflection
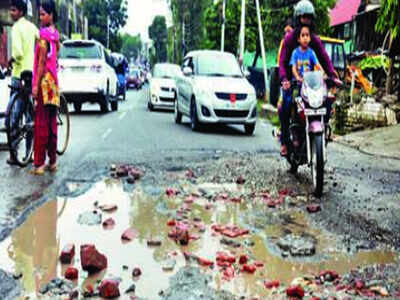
33, 249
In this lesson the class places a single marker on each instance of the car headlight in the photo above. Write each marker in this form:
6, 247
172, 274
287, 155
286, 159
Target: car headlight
155, 88
251, 97
315, 98
203, 92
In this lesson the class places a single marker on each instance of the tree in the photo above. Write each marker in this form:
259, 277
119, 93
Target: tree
131, 45
99, 12
389, 21
159, 34
274, 15
189, 25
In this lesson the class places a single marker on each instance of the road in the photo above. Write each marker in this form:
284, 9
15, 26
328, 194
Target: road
132, 134
360, 207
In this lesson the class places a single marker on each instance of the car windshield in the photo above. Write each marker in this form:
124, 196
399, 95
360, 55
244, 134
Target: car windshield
313, 79
80, 51
166, 71
216, 64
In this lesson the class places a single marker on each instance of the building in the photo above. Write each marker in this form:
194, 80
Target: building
72, 22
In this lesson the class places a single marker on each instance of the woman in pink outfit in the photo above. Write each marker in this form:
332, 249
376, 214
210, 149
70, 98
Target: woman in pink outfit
46, 90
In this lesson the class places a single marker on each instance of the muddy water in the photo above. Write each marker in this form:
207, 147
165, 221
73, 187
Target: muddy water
33, 249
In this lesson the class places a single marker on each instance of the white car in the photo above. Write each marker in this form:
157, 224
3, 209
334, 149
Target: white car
162, 91
214, 90
86, 74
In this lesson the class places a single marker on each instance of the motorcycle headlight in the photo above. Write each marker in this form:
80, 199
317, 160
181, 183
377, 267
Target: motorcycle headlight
315, 98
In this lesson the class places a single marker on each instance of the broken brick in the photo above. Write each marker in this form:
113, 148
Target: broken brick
295, 291
71, 273
128, 235
248, 269
272, 284
109, 289
91, 260
67, 254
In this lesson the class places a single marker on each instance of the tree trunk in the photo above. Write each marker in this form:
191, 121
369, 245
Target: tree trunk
389, 79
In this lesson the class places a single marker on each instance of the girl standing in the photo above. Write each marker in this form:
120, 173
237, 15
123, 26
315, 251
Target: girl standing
46, 90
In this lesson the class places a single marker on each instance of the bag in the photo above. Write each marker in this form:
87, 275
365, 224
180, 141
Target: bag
50, 91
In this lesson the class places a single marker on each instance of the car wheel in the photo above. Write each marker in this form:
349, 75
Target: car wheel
249, 128
177, 113
194, 119
150, 106
77, 107
114, 105
105, 101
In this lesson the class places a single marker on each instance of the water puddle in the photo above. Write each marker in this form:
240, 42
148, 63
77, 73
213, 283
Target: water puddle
34, 248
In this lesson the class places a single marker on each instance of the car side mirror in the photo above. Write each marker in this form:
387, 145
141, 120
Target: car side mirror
187, 71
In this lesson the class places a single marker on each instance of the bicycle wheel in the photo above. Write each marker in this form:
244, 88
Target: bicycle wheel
20, 130
63, 126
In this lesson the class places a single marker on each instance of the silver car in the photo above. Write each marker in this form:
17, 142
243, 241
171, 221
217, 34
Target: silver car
214, 90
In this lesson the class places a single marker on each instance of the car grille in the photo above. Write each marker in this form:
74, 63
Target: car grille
231, 113
227, 96
167, 89
167, 99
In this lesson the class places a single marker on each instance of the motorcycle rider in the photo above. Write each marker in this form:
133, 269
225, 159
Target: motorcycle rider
304, 14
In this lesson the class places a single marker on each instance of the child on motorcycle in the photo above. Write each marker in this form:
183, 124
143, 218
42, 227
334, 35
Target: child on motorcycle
304, 58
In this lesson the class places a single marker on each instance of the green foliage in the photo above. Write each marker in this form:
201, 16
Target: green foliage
98, 11
131, 45
389, 17
192, 15
159, 34
274, 14
375, 62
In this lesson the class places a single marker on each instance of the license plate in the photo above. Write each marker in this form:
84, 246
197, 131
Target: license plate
315, 112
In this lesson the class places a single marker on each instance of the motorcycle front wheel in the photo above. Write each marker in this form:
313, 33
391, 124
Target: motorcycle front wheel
317, 168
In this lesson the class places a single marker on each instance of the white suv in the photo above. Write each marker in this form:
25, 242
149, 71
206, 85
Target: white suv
214, 90
86, 74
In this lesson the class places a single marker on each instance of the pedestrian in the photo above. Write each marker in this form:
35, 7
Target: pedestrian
23, 37
46, 91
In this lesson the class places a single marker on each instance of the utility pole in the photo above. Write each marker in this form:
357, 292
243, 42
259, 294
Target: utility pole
108, 32
260, 30
223, 26
242, 32
183, 38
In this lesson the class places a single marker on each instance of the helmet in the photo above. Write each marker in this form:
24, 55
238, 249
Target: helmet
304, 7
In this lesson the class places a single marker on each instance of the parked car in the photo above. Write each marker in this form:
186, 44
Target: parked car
214, 90
134, 80
162, 91
87, 74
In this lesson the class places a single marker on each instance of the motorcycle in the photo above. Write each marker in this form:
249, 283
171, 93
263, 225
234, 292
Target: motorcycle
308, 133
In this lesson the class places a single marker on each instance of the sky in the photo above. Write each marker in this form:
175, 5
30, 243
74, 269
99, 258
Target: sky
141, 14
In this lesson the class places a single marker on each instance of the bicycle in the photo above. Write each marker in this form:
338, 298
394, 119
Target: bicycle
20, 122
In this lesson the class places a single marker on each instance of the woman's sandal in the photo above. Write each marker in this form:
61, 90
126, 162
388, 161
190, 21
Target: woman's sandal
37, 171
52, 168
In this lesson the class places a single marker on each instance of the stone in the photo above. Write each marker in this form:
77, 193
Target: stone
131, 180
74, 294
109, 224
391, 118
67, 254
109, 289
71, 273
297, 245
243, 259
154, 243
108, 207
240, 180
249, 269
136, 272
131, 289
128, 235
91, 260
272, 284
313, 208
90, 218
168, 264
135, 173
